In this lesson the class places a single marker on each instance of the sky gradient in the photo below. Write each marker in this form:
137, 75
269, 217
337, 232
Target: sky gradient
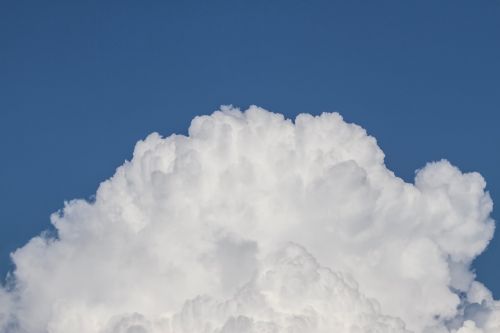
81, 82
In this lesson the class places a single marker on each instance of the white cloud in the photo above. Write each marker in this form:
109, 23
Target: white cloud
255, 223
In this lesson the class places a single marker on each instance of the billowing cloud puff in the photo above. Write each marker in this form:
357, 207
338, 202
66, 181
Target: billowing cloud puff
255, 223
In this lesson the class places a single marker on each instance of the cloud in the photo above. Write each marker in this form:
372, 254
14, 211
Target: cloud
255, 223
290, 293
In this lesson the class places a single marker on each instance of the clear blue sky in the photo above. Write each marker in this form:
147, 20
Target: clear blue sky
82, 81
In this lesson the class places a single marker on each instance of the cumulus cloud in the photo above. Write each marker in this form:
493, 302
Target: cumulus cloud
256, 223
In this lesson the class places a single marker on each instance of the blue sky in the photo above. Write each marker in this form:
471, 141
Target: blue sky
82, 81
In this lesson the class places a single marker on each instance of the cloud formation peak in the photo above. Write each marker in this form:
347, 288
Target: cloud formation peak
256, 223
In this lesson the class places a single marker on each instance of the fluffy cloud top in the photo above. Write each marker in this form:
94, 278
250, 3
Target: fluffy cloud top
254, 223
